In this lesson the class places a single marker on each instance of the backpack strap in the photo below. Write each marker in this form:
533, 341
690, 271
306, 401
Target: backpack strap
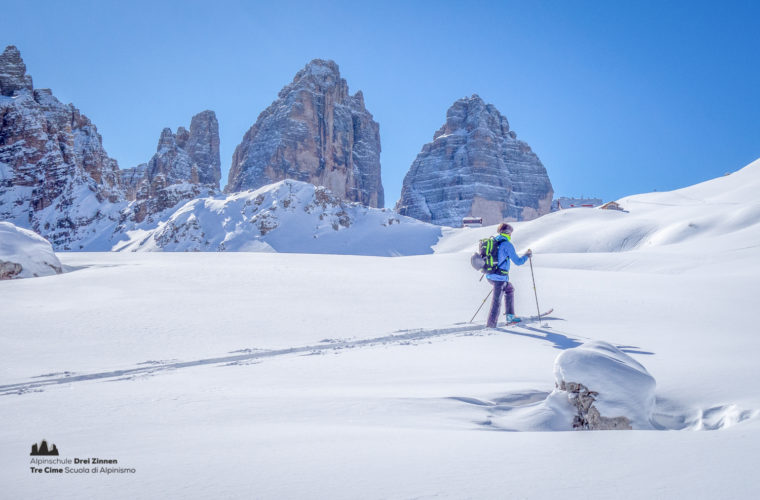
499, 270
489, 250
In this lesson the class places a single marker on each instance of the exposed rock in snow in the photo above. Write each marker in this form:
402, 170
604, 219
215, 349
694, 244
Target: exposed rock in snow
55, 176
588, 417
186, 165
25, 254
314, 132
475, 166
288, 216
608, 388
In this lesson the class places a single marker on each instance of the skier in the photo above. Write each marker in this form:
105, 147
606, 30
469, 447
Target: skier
500, 278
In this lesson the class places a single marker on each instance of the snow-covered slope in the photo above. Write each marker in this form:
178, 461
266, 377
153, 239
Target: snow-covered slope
718, 208
219, 374
288, 216
716, 215
25, 254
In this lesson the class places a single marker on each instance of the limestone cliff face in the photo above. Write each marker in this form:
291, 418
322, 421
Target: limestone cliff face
314, 132
186, 165
54, 172
475, 166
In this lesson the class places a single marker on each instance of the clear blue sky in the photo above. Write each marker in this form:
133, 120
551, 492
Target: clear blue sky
615, 97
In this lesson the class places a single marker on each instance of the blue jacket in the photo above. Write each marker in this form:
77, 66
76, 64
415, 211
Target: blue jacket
506, 253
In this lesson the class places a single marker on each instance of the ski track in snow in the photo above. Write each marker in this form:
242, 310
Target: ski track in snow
668, 416
253, 355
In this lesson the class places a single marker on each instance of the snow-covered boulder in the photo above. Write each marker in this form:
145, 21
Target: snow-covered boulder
608, 388
597, 387
25, 254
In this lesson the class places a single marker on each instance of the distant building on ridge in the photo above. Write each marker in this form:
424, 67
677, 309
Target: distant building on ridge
565, 202
472, 222
612, 205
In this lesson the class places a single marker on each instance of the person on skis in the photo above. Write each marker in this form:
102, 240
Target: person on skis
500, 278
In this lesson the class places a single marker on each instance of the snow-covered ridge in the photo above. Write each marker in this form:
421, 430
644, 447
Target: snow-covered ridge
712, 214
288, 216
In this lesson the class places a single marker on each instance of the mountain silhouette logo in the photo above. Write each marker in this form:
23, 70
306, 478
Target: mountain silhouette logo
42, 449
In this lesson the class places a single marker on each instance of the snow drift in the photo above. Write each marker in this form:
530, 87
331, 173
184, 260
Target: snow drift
25, 254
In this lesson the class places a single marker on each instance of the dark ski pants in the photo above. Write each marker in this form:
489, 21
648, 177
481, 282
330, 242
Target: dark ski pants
508, 290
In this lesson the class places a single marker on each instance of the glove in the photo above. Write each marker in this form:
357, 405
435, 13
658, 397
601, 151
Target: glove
529, 253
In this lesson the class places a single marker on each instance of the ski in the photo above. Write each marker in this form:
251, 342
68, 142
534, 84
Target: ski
529, 319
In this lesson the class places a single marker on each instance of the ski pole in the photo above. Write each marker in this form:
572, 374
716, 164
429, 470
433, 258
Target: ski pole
481, 305
538, 310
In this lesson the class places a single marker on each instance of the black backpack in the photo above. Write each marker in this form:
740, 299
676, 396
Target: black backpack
486, 259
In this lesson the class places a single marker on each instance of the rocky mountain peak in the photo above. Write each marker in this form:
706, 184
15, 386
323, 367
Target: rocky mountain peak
13, 75
189, 155
475, 166
319, 75
320, 68
166, 140
186, 165
55, 176
471, 113
202, 144
314, 132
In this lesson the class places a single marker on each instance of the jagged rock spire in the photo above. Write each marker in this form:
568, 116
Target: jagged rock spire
314, 132
185, 165
13, 77
475, 166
